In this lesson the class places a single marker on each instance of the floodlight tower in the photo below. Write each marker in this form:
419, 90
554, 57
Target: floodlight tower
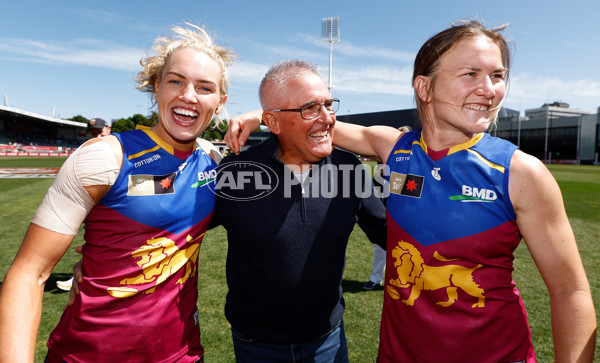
330, 32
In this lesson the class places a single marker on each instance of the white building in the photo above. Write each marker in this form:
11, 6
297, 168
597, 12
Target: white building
554, 110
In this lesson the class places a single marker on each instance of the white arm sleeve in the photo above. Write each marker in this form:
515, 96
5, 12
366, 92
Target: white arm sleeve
67, 203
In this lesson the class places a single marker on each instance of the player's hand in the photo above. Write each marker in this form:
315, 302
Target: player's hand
240, 128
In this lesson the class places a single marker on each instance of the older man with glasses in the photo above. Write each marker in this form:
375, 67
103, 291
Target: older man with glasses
289, 205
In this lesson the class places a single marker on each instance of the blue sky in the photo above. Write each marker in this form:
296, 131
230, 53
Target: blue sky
68, 58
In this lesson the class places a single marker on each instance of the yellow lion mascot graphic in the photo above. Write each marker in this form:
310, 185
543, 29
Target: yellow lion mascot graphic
414, 273
160, 258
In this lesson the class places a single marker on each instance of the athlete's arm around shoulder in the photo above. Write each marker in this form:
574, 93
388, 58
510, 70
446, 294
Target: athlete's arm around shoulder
210, 149
372, 141
42, 247
544, 225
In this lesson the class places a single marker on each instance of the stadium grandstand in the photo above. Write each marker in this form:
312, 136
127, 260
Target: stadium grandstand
24, 133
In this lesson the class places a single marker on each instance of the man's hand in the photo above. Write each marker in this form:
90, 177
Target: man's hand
77, 279
240, 128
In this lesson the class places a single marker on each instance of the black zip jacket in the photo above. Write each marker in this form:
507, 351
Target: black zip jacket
287, 241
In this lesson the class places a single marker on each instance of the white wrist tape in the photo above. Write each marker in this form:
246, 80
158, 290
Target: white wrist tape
67, 203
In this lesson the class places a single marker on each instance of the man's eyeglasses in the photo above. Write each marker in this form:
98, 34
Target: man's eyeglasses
312, 110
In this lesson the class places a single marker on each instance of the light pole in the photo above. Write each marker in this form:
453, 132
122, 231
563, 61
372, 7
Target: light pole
330, 32
578, 139
519, 131
546, 140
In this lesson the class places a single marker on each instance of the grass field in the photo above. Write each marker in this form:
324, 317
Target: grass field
580, 186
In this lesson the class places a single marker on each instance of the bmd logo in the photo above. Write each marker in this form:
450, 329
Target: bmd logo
473, 194
205, 178
245, 181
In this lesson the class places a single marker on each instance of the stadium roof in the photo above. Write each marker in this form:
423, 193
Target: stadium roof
10, 113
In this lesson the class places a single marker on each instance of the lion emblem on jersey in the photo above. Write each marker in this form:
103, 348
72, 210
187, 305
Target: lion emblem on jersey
414, 273
160, 258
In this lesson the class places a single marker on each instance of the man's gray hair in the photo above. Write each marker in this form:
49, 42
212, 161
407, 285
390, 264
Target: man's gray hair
281, 73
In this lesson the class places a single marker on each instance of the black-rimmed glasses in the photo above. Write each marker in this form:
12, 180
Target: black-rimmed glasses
312, 110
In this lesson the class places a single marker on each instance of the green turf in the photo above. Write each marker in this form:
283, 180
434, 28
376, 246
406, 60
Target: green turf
580, 186
25, 161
